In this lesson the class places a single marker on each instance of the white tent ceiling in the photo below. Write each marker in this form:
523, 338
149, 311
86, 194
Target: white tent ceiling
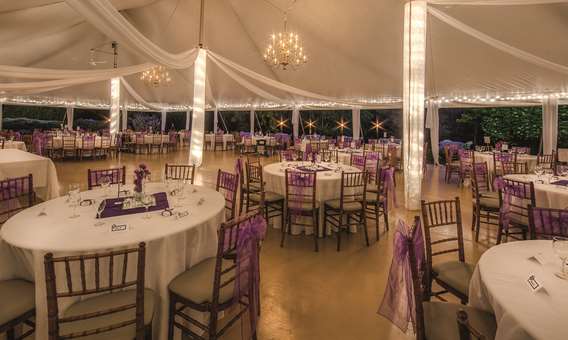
355, 47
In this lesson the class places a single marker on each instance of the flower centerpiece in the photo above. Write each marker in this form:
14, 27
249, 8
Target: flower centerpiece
140, 175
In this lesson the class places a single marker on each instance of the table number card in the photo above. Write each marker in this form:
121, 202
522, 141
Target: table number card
118, 228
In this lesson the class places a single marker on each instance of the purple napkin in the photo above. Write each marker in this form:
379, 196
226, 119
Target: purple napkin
308, 169
562, 182
113, 206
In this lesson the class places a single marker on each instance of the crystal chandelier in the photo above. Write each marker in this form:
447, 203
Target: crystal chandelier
156, 76
285, 49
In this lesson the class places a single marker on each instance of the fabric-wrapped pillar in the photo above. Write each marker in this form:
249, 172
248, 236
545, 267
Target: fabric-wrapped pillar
1, 114
414, 63
216, 120
356, 116
187, 119
549, 124
252, 121
124, 118
164, 114
114, 105
295, 121
69, 113
433, 123
198, 121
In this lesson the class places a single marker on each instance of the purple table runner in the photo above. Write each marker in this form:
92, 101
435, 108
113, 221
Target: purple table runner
562, 182
316, 169
113, 206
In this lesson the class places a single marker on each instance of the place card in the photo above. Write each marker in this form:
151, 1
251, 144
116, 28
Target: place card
119, 228
538, 258
534, 284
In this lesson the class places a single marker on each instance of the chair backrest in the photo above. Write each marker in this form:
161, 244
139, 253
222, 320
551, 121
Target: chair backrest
287, 156
180, 172
113, 264
219, 138
88, 142
157, 139
480, 179
358, 161
442, 214
105, 142
547, 223
228, 184
546, 160
16, 194
328, 156
300, 189
69, 142
254, 183
116, 176
353, 188
522, 196
499, 158
512, 168
465, 329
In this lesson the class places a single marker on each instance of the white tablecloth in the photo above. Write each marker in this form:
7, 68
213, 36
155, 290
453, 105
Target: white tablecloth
546, 195
487, 157
15, 145
210, 138
17, 163
499, 284
328, 186
563, 154
172, 245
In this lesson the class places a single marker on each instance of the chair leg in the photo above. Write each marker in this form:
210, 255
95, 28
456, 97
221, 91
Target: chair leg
364, 222
171, 317
377, 216
315, 218
284, 227
499, 233
10, 334
477, 224
148, 332
386, 217
339, 232
473, 215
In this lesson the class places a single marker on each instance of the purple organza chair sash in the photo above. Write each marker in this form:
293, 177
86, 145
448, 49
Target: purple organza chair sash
521, 149
247, 280
288, 156
245, 134
13, 188
509, 191
504, 157
38, 141
398, 303
301, 184
239, 167
550, 221
387, 177
358, 161
229, 183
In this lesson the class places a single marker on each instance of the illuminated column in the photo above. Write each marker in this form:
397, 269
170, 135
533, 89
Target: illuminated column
216, 120
124, 118
187, 119
413, 100
549, 124
198, 120
69, 112
295, 121
1, 116
164, 113
252, 121
356, 117
114, 104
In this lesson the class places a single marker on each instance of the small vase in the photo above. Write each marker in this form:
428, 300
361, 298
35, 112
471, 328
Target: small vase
139, 194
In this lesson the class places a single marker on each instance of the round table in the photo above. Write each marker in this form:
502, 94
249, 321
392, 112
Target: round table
487, 157
15, 145
328, 186
546, 195
499, 285
173, 244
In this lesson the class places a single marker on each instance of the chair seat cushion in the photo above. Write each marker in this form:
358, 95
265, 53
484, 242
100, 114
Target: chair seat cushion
196, 284
456, 274
440, 321
16, 298
269, 196
372, 198
104, 302
304, 207
491, 194
347, 206
518, 220
488, 202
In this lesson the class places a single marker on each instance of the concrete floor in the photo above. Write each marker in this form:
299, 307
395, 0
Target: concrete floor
308, 295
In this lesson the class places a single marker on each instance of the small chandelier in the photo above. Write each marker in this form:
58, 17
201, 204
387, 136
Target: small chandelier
156, 76
285, 49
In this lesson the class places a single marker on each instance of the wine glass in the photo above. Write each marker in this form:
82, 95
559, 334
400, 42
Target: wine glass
74, 198
539, 171
147, 201
100, 210
560, 247
105, 184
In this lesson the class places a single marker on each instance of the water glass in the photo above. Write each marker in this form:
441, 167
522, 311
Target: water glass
147, 201
74, 198
560, 247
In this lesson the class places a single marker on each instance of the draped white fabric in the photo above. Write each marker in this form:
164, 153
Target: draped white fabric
356, 117
251, 118
198, 114
295, 121
69, 113
107, 19
187, 119
164, 114
549, 124
1, 115
54, 74
523, 55
216, 120
137, 97
124, 118
433, 123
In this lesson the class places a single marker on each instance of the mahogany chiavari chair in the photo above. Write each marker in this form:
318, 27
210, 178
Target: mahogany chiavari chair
546, 161
485, 201
288, 155
547, 223
499, 158
358, 161
209, 287
113, 307
514, 199
16, 194
514, 168
219, 142
180, 172
301, 203
156, 143
18, 308
452, 162
466, 330
256, 195
116, 176
330, 156
69, 147
377, 198
87, 147
349, 210
452, 275
227, 184
466, 159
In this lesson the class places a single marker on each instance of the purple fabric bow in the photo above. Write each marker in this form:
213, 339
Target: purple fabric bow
398, 303
247, 281
239, 167
388, 180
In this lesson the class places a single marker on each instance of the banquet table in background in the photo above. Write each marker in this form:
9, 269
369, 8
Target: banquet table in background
499, 285
328, 187
547, 195
173, 245
488, 158
14, 145
227, 137
17, 163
